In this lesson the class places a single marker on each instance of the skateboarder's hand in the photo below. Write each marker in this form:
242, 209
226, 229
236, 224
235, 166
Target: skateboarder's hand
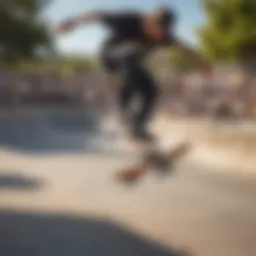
65, 26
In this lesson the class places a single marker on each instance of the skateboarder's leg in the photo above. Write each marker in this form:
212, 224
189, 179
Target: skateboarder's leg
129, 87
148, 96
136, 81
127, 93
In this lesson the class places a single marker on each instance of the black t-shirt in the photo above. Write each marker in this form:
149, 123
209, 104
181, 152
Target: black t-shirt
128, 27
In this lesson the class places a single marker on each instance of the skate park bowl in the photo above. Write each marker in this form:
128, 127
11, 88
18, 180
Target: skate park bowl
50, 131
58, 195
224, 144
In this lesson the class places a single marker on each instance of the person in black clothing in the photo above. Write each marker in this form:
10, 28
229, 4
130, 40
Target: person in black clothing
133, 36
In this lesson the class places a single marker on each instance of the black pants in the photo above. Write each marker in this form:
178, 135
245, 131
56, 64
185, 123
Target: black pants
137, 83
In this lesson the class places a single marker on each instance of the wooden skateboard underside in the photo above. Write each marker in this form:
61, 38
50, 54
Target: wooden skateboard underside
162, 161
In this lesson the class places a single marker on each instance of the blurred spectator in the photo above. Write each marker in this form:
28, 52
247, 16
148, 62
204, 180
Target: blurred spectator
221, 92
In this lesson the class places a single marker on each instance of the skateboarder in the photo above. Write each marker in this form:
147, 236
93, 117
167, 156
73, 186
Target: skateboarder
133, 36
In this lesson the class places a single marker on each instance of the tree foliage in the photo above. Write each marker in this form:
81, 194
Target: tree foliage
185, 61
229, 33
68, 65
180, 60
21, 30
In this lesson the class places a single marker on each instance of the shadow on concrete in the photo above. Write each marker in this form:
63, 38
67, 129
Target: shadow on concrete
18, 182
23, 234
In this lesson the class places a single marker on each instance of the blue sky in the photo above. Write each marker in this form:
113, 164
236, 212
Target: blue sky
87, 40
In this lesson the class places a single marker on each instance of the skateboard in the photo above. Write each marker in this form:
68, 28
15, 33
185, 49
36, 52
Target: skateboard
153, 158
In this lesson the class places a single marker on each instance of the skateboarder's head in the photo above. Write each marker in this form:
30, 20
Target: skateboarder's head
164, 16
159, 22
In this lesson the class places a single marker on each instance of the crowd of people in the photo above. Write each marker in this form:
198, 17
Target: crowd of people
192, 93
34, 89
216, 93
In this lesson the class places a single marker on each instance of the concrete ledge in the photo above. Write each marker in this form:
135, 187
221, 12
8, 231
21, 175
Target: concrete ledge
229, 145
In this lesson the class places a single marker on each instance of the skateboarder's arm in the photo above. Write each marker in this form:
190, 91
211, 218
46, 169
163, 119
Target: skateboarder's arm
82, 19
117, 21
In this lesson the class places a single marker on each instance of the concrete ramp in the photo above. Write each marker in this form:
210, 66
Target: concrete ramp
49, 131
70, 204
222, 145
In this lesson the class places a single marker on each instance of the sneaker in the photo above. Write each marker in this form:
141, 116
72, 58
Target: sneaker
143, 135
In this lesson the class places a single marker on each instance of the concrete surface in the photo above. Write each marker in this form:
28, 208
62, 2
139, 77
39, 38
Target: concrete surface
58, 197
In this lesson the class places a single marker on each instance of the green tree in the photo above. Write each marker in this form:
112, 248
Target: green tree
229, 33
22, 31
180, 60
184, 61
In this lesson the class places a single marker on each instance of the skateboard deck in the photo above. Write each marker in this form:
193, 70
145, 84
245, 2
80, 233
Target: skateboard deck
153, 159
